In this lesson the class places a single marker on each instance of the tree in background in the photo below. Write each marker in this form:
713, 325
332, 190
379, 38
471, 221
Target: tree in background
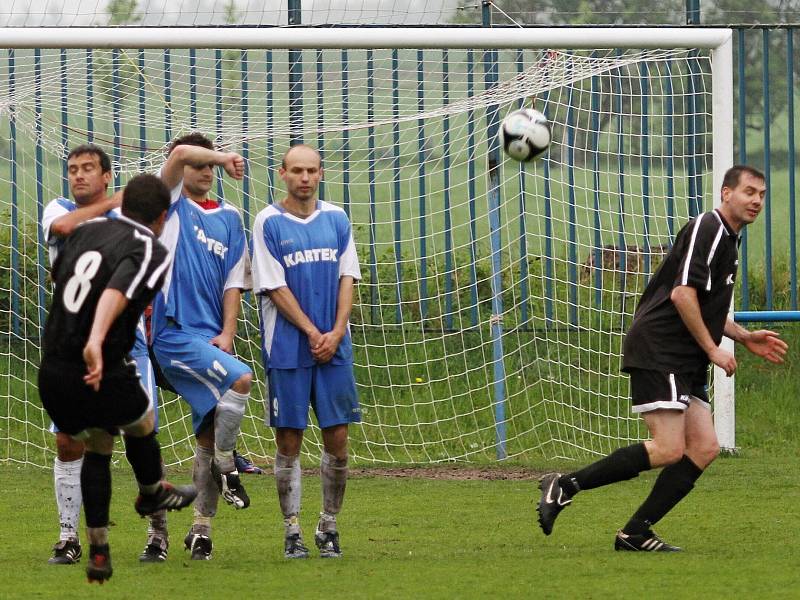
123, 12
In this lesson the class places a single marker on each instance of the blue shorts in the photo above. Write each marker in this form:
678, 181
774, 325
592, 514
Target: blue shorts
329, 389
148, 380
199, 372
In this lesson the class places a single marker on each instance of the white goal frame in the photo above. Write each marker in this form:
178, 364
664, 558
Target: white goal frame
718, 41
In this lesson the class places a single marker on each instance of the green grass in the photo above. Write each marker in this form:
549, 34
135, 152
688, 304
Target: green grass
415, 538
437, 538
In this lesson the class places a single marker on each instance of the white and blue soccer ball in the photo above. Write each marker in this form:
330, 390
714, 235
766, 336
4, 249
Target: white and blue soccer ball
525, 134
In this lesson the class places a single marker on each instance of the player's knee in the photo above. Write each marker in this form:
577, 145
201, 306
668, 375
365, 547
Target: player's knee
662, 455
706, 453
100, 443
288, 441
67, 448
143, 427
674, 453
243, 384
205, 437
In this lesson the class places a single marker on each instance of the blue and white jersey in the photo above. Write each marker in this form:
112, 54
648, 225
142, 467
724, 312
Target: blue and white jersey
58, 208
309, 256
209, 256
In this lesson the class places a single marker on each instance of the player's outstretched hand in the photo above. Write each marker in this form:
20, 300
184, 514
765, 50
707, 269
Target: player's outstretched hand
766, 344
93, 356
224, 342
724, 360
234, 165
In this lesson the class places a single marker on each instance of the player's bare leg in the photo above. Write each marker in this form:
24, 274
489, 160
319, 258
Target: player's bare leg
289, 484
227, 425
67, 484
333, 474
666, 446
687, 449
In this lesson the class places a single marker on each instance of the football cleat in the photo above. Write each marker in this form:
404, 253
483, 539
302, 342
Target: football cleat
328, 544
156, 548
199, 545
167, 497
243, 465
230, 486
66, 552
293, 546
642, 542
99, 567
554, 499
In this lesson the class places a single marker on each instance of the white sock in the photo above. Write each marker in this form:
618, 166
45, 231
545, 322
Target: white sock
333, 475
288, 481
227, 424
205, 505
67, 481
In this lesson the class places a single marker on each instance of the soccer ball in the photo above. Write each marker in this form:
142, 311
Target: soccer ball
525, 134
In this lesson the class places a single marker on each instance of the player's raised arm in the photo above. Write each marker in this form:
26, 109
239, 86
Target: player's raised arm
197, 156
89, 175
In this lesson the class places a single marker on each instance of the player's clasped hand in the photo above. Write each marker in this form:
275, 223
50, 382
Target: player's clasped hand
766, 344
93, 357
326, 347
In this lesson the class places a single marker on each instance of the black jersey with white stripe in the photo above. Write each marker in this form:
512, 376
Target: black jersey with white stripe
705, 256
102, 254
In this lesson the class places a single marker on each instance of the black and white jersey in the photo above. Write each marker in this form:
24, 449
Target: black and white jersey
705, 256
102, 254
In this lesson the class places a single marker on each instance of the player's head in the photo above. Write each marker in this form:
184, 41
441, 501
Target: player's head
301, 171
146, 200
197, 179
743, 192
89, 173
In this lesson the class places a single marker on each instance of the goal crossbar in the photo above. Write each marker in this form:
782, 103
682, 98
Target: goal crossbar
362, 38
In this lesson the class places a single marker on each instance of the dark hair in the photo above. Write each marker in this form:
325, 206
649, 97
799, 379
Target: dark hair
192, 139
286, 154
732, 175
105, 162
145, 198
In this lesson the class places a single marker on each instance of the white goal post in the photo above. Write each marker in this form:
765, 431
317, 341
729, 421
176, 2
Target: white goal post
490, 319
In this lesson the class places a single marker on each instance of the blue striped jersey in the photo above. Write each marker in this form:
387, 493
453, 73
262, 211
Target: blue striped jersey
309, 256
209, 255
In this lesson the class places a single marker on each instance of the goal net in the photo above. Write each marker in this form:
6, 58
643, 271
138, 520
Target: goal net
490, 317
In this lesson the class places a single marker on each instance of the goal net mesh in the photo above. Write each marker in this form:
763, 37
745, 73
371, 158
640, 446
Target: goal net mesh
475, 330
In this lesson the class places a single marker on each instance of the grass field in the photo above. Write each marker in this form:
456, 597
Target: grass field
437, 537
422, 538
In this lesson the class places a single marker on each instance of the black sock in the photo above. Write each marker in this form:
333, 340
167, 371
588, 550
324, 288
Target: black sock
673, 484
96, 488
144, 454
623, 463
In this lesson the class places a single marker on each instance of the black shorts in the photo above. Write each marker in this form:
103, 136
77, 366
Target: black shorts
74, 406
652, 390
